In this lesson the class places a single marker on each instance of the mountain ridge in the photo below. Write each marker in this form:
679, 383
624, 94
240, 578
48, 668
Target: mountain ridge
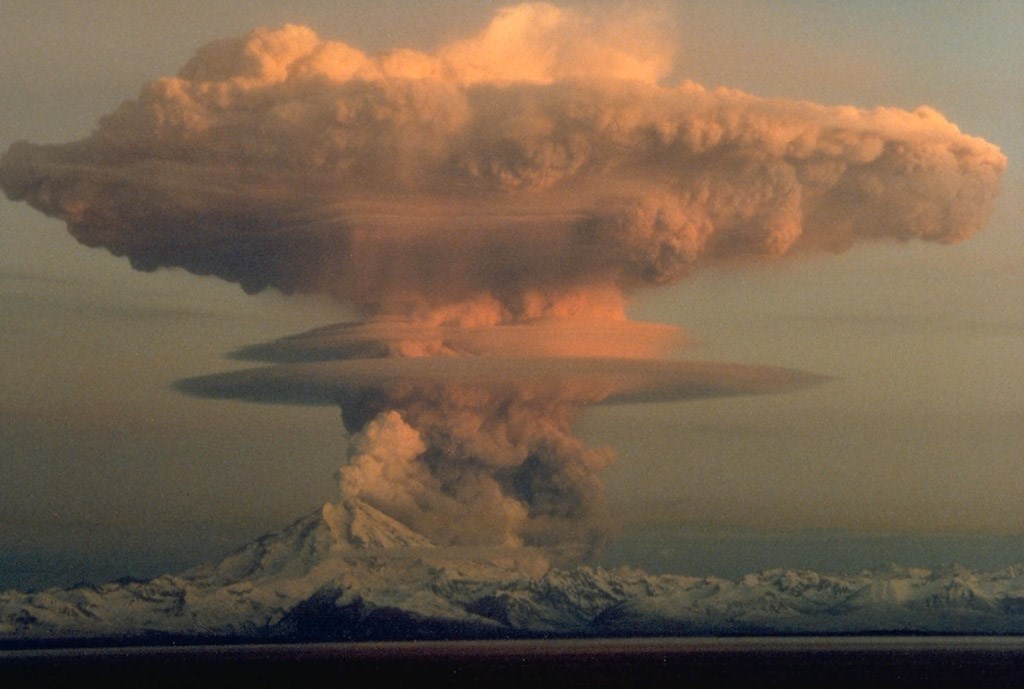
351, 572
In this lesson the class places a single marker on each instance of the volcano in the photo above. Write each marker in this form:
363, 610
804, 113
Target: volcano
352, 573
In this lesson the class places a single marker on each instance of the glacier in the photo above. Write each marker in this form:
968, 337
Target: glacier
361, 575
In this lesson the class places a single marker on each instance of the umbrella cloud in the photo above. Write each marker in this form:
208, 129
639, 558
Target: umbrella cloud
488, 208
538, 168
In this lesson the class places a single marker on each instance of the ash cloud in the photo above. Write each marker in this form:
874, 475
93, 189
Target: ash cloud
489, 207
538, 168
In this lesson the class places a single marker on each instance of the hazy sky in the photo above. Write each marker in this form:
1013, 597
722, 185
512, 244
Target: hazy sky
104, 468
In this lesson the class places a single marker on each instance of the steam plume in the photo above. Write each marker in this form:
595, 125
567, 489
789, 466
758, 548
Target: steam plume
528, 178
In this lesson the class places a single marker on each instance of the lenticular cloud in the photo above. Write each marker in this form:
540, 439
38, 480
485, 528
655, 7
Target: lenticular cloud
488, 208
537, 168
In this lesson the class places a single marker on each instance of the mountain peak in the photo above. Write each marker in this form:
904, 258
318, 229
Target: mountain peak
358, 525
347, 526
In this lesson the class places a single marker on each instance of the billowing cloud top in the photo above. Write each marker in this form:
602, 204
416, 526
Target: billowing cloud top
538, 168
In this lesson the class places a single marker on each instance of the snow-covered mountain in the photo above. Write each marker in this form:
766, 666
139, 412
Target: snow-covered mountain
355, 573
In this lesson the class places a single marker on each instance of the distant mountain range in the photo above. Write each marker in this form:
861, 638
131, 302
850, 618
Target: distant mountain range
375, 578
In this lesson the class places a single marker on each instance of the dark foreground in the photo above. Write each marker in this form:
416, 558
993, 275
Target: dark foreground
751, 662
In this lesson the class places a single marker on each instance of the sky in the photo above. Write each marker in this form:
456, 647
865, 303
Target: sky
107, 470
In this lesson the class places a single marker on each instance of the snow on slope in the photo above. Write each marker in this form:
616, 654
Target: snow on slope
355, 573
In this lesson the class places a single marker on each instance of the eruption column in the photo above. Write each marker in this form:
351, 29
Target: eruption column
471, 443
488, 207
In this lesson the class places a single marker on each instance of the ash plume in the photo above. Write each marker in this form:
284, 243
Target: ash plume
537, 168
483, 205
468, 442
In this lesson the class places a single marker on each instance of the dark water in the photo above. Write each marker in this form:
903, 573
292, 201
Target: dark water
750, 662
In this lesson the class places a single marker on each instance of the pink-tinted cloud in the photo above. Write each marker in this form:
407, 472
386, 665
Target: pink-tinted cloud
490, 206
497, 179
